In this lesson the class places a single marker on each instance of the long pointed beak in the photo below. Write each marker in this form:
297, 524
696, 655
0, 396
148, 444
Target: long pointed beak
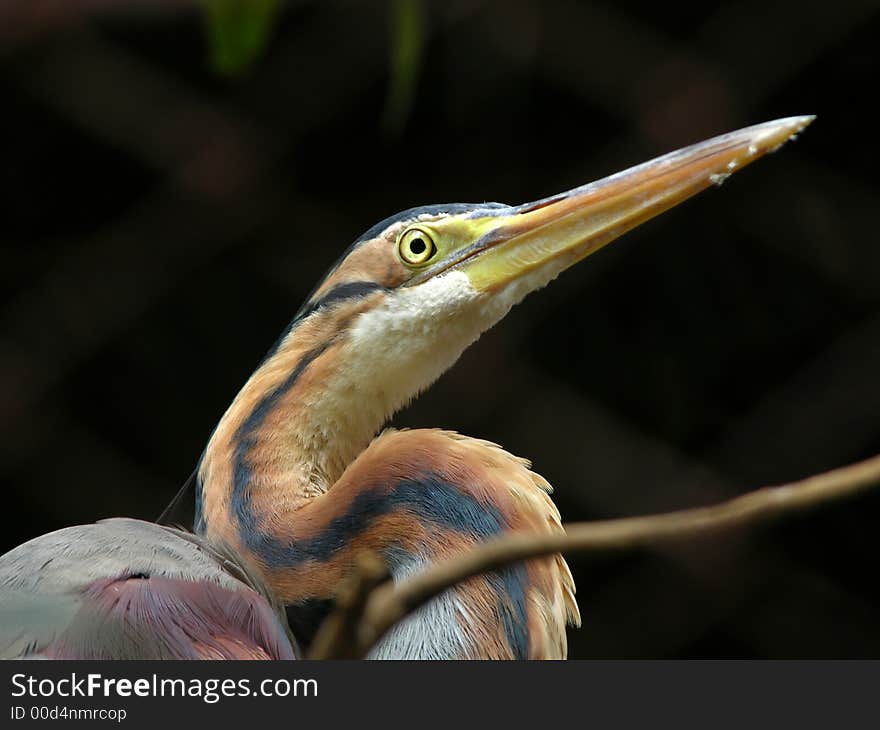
556, 232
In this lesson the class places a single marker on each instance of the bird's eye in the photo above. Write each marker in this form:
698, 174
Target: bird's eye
416, 247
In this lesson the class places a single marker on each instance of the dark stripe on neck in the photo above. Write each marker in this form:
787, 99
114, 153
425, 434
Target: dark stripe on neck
245, 436
349, 290
431, 500
341, 292
245, 439
509, 585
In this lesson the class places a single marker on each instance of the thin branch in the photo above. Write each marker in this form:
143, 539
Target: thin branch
389, 603
337, 636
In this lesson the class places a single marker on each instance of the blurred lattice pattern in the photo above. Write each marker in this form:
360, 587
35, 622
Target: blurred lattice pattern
162, 222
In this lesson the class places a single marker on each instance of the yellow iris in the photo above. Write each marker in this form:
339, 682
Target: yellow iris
416, 247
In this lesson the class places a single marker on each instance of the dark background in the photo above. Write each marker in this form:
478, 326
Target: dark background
161, 223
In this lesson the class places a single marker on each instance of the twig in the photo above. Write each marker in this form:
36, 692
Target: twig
389, 603
337, 637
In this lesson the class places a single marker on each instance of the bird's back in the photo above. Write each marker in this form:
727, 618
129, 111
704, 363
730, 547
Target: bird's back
127, 589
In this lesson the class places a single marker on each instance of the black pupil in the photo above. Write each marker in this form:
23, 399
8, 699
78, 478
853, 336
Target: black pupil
418, 246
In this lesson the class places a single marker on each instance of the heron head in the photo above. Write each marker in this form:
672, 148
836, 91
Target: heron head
423, 284
411, 294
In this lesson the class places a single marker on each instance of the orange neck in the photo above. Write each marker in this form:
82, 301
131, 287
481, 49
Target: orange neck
289, 433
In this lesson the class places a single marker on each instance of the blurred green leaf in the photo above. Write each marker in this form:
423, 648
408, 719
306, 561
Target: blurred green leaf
238, 31
407, 47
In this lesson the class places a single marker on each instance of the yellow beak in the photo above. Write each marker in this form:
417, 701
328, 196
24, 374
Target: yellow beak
566, 228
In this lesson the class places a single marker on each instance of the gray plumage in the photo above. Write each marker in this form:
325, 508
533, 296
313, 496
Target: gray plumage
127, 589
